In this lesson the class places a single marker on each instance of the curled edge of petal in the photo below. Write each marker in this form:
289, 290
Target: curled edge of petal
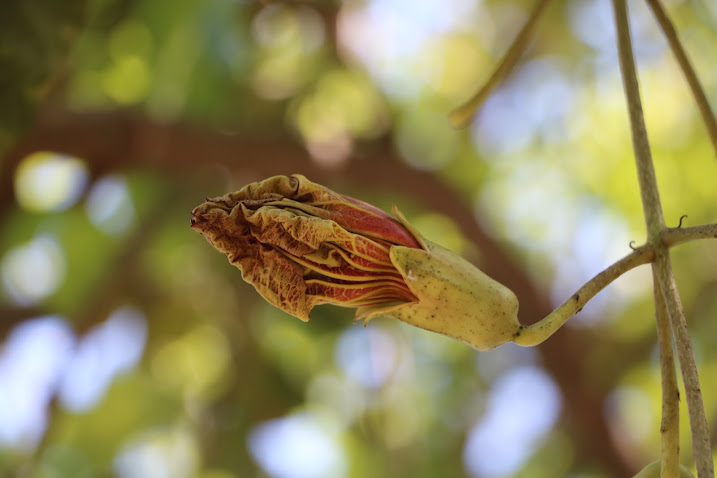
414, 232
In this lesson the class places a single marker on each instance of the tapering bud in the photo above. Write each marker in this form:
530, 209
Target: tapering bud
301, 244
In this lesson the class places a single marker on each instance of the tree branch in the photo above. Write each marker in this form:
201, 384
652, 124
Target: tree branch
464, 113
651, 204
702, 449
677, 235
670, 424
662, 268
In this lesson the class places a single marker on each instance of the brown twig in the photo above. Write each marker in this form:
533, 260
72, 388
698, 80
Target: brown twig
464, 113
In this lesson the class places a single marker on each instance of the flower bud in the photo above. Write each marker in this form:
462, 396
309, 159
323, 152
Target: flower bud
301, 244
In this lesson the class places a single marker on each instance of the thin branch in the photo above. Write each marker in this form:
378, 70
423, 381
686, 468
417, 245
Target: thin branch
662, 267
464, 113
701, 446
651, 205
708, 116
536, 333
670, 425
673, 236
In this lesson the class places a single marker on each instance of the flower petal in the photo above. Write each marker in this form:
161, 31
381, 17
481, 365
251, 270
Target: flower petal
295, 255
316, 200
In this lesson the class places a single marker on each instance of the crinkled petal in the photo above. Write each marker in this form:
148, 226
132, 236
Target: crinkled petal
316, 200
295, 255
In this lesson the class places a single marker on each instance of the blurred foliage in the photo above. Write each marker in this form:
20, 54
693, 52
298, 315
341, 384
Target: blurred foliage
35, 38
132, 349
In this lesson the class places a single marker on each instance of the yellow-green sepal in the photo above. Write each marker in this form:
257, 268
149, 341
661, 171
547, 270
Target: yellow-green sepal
454, 298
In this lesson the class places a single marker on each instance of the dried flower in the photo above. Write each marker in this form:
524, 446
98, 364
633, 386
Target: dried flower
301, 244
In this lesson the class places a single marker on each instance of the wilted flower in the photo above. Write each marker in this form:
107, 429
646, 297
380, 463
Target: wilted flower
301, 244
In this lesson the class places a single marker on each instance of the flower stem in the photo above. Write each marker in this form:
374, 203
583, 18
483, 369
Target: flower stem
662, 267
464, 113
538, 332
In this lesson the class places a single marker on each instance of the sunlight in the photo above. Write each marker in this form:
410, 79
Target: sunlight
109, 205
47, 181
128, 79
367, 355
631, 415
523, 406
109, 349
32, 271
592, 21
159, 453
195, 363
340, 395
387, 37
287, 36
493, 364
31, 361
532, 105
297, 446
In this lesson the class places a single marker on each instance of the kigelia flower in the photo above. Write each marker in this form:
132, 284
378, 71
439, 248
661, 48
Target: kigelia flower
301, 244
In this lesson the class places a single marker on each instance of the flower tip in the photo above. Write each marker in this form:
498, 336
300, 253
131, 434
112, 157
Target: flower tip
197, 219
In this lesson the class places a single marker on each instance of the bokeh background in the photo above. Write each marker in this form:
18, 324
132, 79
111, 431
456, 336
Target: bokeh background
131, 348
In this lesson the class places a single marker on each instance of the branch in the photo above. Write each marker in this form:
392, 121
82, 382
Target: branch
464, 113
670, 425
651, 205
701, 446
536, 333
678, 235
662, 268
678, 50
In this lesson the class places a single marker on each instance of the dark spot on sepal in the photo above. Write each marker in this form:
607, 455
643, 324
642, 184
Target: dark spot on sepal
518, 332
